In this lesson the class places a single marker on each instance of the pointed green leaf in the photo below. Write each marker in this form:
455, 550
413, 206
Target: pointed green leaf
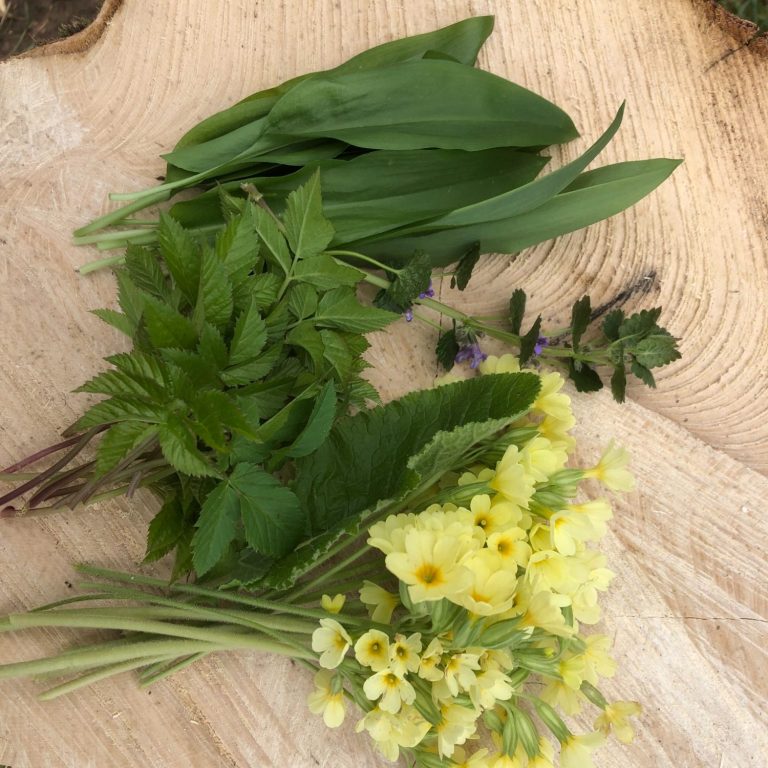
302, 300
252, 370
118, 441
167, 327
447, 349
180, 450
581, 316
275, 248
116, 320
517, 310
325, 273
619, 384
216, 526
584, 377
612, 324
643, 374
237, 246
307, 230
165, 530
249, 337
318, 426
341, 309
529, 340
181, 256
306, 336
214, 300
145, 273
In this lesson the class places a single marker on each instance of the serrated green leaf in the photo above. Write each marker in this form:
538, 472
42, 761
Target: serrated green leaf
341, 310
361, 393
216, 527
249, 337
302, 300
619, 384
529, 340
214, 300
118, 441
639, 324
612, 324
517, 310
120, 383
656, 350
237, 246
318, 426
337, 352
581, 314
366, 457
116, 320
167, 327
180, 450
643, 374
277, 322
465, 267
212, 348
325, 273
447, 349
130, 299
271, 513
226, 411
406, 285
272, 239
165, 530
140, 366
197, 368
181, 256
307, 230
230, 205
306, 336
145, 273
260, 290
252, 370
584, 377
120, 409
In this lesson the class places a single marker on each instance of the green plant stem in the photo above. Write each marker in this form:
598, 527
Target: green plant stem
330, 573
159, 671
368, 259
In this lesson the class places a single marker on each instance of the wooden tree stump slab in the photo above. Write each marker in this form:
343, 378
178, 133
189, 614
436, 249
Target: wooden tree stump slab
689, 612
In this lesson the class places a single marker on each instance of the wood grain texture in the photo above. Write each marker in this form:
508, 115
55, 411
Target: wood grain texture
690, 608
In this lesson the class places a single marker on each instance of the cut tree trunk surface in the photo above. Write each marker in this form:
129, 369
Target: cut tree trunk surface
689, 610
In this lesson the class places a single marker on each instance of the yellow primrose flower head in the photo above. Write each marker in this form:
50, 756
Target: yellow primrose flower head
372, 650
391, 689
332, 604
404, 653
511, 480
327, 699
615, 718
332, 641
612, 470
381, 603
505, 364
576, 751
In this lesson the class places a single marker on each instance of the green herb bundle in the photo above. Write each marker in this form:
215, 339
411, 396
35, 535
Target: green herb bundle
418, 150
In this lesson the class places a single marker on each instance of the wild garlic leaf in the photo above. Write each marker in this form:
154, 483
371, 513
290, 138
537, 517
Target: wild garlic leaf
306, 228
341, 310
249, 337
181, 256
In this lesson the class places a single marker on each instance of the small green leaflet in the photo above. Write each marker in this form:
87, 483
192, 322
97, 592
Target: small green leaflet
529, 340
249, 337
447, 348
269, 512
214, 300
407, 284
341, 310
517, 310
318, 426
273, 241
325, 273
465, 267
581, 315
165, 530
179, 447
307, 230
180, 254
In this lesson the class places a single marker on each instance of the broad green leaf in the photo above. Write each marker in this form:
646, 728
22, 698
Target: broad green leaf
302, 300
594, 196
341, 309
181, 255
412, 105
216, 526
275, 248
179, 447
324, 272
271, 513
366, 457
318, 426
118, 441
165, 530
214, 299
249, 337
167, 327
656, 350
306, 336
307, 230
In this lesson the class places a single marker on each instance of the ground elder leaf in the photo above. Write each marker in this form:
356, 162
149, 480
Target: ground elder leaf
249, 337
307, 230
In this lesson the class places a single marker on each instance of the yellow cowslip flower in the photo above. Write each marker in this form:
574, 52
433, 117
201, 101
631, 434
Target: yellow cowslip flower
462, 759
430, 566
379, 601
458, 675
505, 364
546, 756
612, 470
511, 547
597, 512
457, 724
511, 480
556, 572
404, 654
492, 590
372, 650
428, 664
573, 671
616, 716
491, 685
332, 642
392, 690
497, 658
540, 537
557, 432
597, 661
333, 604
325, 701
585, 607
550, 402
492, 517
567, 528
478, 474
389, 535
576, 751
390, 732
541, 458
559, 695
544, 611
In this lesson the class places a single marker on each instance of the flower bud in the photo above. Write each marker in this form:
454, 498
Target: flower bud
594, 695
493, 721
502, 634
467, 633
509, 735
526, 732
552, 720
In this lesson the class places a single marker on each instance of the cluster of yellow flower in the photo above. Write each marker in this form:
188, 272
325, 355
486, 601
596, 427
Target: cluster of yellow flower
492, 588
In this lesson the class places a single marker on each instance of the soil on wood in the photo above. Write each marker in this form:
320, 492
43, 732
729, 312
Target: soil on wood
25, 24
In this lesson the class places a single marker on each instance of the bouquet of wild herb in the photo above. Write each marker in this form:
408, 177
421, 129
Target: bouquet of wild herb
242, 406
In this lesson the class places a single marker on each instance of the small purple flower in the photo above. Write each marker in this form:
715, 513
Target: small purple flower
542, 342
471, 352
429, 293
408, 315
